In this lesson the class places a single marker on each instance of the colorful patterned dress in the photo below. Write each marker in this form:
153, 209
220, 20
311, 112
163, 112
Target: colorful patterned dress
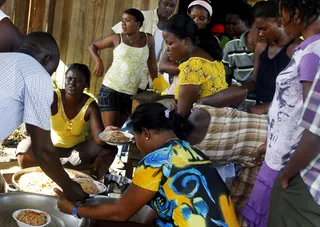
189, 189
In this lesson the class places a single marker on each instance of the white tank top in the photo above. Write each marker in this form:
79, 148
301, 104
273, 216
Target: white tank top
126, 70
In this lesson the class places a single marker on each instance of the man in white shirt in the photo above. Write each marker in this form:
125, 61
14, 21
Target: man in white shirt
26, 95
154, 23
10, 36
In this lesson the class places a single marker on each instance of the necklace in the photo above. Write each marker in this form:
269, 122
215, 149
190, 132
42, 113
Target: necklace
131, 41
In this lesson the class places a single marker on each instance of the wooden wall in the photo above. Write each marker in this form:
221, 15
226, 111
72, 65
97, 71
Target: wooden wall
74, 24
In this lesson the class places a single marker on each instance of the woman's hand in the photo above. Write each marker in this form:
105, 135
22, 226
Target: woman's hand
111, 128
259, 109
98, 69
259, 156
63, 204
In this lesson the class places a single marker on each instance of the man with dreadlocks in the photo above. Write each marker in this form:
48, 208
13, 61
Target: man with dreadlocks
292, 160
294, 123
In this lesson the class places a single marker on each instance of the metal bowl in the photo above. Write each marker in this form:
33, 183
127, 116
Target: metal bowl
17, 175
10, 202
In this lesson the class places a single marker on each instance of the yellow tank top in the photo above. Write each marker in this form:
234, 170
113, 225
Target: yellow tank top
65, 132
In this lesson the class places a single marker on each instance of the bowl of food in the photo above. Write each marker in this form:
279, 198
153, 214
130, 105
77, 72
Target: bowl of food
116, 138
31, 218
91, 187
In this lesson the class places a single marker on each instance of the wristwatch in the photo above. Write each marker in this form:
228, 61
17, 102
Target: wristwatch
75, 212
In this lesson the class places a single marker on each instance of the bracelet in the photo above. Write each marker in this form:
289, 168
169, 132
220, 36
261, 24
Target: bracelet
75, 212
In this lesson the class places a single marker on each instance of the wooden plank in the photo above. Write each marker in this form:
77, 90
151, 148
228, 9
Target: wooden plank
100, 15
127, 5
57, 21
7, 8
73, 35
107, 54
50, 18
21, 14
37, 13
64, 38
89, 32
81, 32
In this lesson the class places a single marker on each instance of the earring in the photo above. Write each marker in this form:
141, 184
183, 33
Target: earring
147, 138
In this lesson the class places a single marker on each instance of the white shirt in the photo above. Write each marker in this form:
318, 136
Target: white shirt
3, 15
26, 93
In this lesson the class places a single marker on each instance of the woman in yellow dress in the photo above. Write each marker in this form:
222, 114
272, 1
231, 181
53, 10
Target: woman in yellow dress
201, 71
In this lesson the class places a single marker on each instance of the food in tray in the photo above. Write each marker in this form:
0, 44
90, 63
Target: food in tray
88, 186
117, 137
39, 182
31, 217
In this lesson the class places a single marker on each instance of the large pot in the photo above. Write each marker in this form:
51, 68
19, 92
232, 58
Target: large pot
17, 175
13, 201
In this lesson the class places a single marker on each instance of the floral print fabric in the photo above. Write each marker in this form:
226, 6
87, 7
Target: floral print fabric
210, 76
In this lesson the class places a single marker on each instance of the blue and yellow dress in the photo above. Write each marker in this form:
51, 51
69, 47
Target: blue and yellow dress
189, 189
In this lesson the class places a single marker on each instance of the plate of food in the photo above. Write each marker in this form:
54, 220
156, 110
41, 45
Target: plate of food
31, 217
116, 138
91, 187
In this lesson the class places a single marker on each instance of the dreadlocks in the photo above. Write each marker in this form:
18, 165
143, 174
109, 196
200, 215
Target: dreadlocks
309, 10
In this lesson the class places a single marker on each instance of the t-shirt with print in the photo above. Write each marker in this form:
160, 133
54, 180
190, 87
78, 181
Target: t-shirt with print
189, 190
284, 131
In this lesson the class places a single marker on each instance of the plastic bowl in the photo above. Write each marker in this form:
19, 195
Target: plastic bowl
21, 224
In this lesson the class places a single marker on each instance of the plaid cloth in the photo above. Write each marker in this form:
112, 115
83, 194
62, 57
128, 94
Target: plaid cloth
311, 121
241, 188
233, 136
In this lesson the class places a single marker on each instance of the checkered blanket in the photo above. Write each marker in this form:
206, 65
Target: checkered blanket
233, 137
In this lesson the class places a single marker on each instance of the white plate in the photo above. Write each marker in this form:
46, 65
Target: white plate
103, 134
101, 187
21, 224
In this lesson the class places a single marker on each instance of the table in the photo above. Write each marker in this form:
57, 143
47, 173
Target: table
119, 224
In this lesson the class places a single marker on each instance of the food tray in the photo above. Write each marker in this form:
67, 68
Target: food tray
17, 200
18, 174
103, 134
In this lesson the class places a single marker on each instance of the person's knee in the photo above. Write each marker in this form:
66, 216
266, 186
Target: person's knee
26, 160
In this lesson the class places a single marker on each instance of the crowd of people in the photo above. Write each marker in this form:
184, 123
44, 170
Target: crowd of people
208, 160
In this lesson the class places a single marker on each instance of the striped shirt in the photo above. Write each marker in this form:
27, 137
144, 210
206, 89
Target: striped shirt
238, 59
26, 93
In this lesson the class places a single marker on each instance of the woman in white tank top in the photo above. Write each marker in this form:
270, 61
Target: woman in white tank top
132, 51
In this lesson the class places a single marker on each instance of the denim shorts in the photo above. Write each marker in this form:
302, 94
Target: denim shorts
111, 100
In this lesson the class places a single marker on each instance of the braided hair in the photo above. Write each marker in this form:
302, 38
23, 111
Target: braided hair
309, 10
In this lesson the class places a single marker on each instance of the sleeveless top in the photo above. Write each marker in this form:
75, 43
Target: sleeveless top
127, 68
268, 71
65, 132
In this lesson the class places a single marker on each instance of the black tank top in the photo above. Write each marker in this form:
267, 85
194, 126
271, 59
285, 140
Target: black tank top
268, 71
